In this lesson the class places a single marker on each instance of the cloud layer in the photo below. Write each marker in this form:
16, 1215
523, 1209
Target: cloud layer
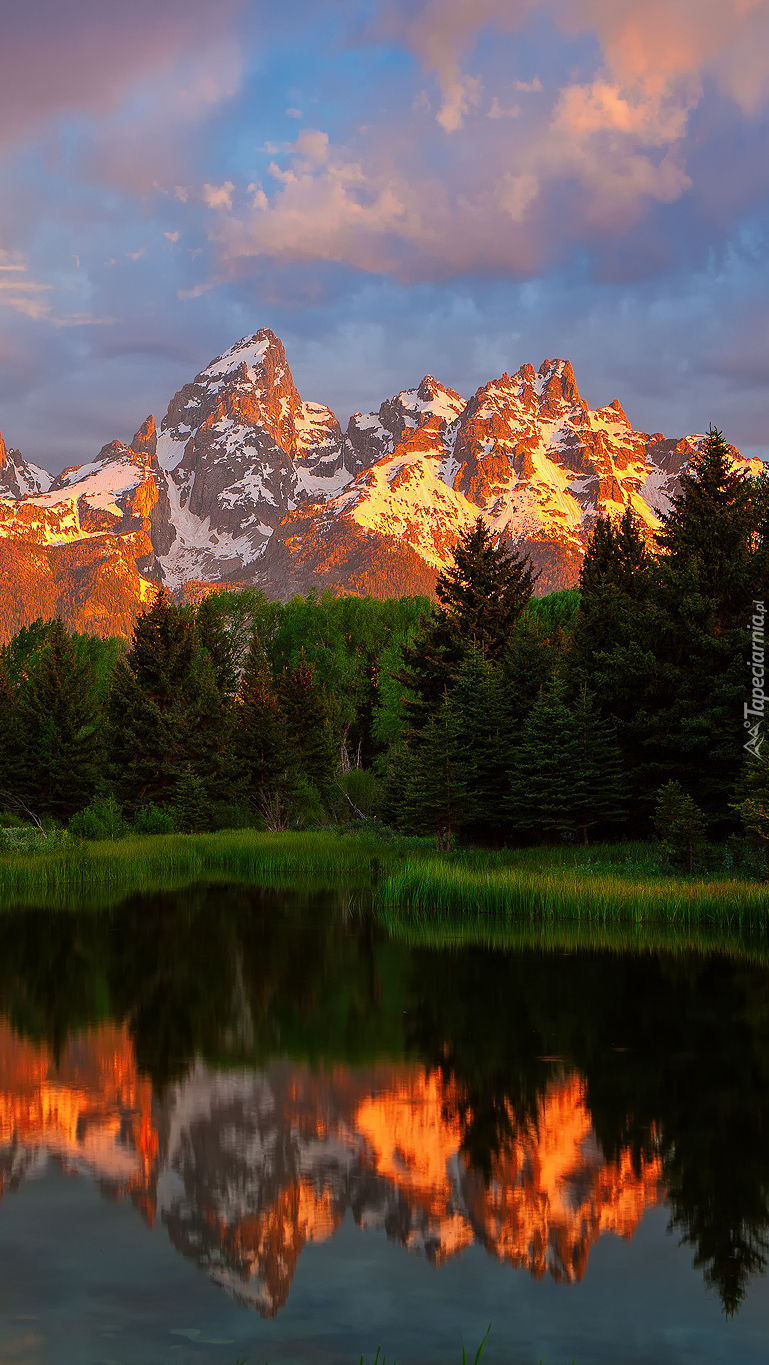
581, 176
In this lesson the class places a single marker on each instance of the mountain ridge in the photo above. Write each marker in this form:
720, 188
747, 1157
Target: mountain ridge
245, 482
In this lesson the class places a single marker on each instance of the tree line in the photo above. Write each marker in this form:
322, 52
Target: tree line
488, 715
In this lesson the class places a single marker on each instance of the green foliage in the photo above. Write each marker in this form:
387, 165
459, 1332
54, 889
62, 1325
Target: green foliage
752, 803
566, 771
556, 611
484, 590
480, 1350
10, 738
267, 760
437, 773
190, 804
483, 594
680, 824
152, 819
360, 795
60, 736
102, 818
308, 724
166, 712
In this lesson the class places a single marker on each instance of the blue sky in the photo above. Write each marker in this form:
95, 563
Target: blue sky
396, 187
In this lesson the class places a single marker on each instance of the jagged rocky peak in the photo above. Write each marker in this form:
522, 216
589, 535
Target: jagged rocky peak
250, 383
19, 478
145, 442
371, 435
241, 449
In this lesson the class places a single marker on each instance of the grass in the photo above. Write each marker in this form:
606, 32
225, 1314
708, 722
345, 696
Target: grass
611, 896
608, 895
99, 874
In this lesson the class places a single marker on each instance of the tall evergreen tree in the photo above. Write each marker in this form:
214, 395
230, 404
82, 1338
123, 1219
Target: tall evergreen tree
709, 535
611, 650
221, 644
482, 595
437, 774
59, 726
566, 774
702, 603
478, 704
10, 738
484, 590
166, 711
307, 722
266, 755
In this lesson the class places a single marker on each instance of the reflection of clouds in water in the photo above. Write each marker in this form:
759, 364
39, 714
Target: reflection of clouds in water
246, 1168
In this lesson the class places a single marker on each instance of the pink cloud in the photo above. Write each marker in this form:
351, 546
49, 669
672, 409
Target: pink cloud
56, 57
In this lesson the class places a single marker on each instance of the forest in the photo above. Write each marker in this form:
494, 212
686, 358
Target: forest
490, 717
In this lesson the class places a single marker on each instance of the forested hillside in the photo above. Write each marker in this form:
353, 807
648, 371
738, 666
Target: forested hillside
492, 716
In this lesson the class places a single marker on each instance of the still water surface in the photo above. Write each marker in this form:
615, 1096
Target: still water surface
236, 1123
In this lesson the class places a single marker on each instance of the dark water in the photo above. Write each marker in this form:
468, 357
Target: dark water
241, 1124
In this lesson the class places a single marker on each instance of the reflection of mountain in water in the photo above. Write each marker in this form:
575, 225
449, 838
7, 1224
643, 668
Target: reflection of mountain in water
245, 1168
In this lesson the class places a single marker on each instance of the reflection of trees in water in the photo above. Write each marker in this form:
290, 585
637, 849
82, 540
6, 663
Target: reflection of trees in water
674, 1050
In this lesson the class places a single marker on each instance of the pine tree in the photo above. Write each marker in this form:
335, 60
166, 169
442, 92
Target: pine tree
482, 595
751, 803
191, 807
10, 738
438, 778
166, 711
709, 534
611, 651
478, 704
701, 607
221, 645
565, 776
266, 755
308, 725
484, 590
59, 726
680, 824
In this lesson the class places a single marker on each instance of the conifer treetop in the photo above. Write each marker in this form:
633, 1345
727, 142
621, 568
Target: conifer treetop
485, 589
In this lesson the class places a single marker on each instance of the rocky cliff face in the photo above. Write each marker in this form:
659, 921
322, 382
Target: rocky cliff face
17, 477
247, 483
240, 450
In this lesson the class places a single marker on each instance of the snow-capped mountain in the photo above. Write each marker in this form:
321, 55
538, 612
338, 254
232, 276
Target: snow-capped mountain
247, 483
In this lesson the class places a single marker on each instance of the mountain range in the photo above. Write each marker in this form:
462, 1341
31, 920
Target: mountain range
245, 483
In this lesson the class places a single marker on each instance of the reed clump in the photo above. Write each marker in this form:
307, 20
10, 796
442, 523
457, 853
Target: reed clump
496, 890
80, 873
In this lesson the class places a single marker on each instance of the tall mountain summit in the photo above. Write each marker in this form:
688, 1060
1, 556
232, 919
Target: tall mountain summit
246, 483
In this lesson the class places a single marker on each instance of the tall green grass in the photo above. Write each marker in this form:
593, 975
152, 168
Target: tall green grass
86, 874
560, 895
440, 895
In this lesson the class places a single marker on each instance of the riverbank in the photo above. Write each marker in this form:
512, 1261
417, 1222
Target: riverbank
471, 895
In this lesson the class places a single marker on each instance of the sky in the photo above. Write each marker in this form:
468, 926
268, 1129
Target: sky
396, 187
